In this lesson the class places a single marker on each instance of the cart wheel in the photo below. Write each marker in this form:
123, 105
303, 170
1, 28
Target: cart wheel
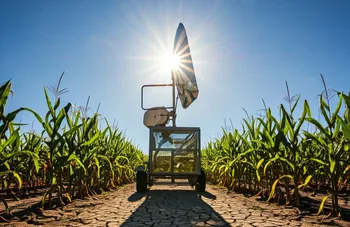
141, 181
200, 186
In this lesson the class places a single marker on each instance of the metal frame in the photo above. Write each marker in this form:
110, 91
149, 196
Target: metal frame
173, 112
172, 174
154, 85
173, 128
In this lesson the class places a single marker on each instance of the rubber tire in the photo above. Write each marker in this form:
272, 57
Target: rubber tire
201, 182
141, 181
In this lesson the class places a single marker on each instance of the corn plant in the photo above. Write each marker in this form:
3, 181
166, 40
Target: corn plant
273, 152
10, 150
71, 157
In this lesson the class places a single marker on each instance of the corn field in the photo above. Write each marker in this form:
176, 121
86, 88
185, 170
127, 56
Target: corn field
273, 154
71, 158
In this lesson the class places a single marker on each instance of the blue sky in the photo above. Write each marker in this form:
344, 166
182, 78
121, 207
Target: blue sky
243, 51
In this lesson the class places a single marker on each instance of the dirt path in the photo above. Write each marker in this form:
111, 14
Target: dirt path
171, 205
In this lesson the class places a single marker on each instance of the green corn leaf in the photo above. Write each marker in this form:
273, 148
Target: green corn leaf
249, 163
110, 166
337, 109
77, 117
288, 120
257, 175
5, 183
296, 103
213, 168
48, 129
233, 173
93, 151
37, 166
273, 189
67, 108
9, 141
71, 170
306, 111
6, 165
93, 139
323, 111
319, 161
307, 180
59, 120
288, 162
322, 205
69, 121
346, 129
250, 127
5, 90
77, 160
319, 126
122, 157
97, 163
104, 132
72, 130
346, 169
317, 139
304, 170
226, 169
337, 128
68, 197
269, 137
221, 167
332, 164
346, 98
347, 108
87, 127
18, 179
35, 114
48, 102
11, 116
324, 104
18, 153
57, 104
268, 163
43, 198
60, 192
47, 118
260, 163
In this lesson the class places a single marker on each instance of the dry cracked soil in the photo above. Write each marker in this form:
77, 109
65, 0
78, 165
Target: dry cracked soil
168, 204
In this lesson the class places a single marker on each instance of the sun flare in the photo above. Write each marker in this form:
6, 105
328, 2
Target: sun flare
171, 61
161, 56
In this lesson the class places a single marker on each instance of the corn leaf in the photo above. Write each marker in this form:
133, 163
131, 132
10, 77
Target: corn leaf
273, 189
320, 209
307, 180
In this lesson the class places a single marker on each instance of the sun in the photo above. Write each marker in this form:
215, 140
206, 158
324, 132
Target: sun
171, 61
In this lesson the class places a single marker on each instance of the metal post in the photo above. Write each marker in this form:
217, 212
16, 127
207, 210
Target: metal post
174, 124
174, 108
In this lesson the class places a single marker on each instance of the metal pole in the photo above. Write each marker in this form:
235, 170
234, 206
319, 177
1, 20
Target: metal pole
174, 108
174, 125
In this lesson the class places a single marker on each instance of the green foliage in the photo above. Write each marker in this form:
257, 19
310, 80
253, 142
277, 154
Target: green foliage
72, 156
273, 152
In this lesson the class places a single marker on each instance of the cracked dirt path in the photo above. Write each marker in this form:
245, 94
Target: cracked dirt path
170, 205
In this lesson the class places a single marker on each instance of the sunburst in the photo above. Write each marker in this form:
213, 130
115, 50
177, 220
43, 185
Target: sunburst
170, 61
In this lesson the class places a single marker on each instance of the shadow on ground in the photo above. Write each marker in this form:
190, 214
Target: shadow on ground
173, 208
310, 206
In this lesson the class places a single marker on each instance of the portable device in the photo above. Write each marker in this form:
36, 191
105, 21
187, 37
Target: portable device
174, 152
